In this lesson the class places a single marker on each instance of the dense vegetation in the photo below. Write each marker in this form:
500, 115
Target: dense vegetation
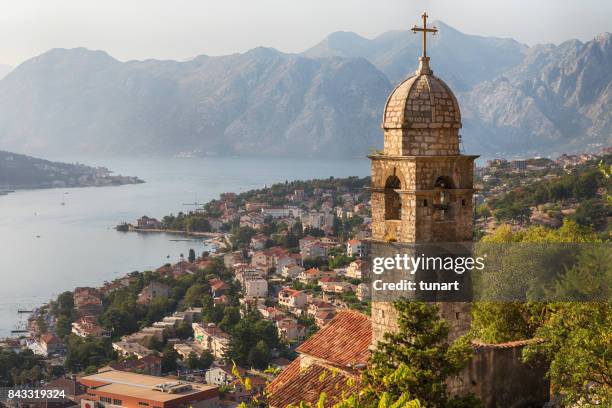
20, 171
582, 186
576, 335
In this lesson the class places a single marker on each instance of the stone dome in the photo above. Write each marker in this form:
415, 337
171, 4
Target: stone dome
422, 116
422, 99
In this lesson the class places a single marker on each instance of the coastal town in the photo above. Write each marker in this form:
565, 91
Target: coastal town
288, 259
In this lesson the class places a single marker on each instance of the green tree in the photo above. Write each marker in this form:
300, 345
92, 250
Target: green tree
416, 361
192, 256
169, 359
63, 326
259, 356
576, 343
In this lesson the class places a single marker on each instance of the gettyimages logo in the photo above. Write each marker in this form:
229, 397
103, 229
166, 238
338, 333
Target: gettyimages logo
412, 264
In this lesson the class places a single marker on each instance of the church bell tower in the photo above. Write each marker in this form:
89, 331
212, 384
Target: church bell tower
422, 185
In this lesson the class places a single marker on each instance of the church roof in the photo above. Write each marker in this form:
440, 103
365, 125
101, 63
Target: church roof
296, 384
344, 342
422, 101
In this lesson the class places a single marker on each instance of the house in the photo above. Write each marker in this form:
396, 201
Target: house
353, 247
232, 258
338, 287
151, 291
314, 250
87, 301
186, 349
356, 270
290, 330
218, 287
323, 317
50, 344
291, 271
133, 390
363, 292
310, 276
150, 365
270, 313
319, 305
211, 338
287, 259
257, 385
292, 299
344, 344
87, 326
127, 348
222, 374
145, 222
256, 288
258, 242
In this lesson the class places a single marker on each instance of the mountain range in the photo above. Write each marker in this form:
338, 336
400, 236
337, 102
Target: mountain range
4, 70
326, 101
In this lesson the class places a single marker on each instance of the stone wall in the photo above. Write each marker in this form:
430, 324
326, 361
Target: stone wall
500, 379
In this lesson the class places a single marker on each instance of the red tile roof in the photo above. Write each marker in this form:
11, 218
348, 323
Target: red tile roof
344, 341
294, 385
507, 345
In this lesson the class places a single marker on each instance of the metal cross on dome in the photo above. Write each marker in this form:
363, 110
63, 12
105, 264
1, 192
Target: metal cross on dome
433, 30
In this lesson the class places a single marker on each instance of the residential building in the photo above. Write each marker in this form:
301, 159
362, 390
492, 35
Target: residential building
87, 302
356, 270
363, 292
256, 288
150, 365
218, 287
323, 317
291, 271
87, 326
353, 247
127, 348
145, 222
292, 299
289, 329
211, 338
50, 344
153, 290
344, 343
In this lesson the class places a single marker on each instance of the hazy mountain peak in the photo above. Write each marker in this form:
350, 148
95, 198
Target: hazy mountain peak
4, 70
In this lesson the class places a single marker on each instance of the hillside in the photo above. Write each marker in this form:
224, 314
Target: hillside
18, 171
4, 70
462, 60
327, 101
260, 102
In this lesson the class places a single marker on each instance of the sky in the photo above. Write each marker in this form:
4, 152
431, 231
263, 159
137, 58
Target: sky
182, 29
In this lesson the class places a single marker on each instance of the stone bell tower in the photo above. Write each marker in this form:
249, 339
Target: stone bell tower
422, 185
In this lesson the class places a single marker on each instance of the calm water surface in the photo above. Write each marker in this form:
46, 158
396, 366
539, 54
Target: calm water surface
47, 247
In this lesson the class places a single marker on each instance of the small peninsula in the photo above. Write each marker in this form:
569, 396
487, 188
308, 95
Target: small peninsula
19, 172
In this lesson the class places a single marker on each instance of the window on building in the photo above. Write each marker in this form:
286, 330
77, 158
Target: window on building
106, 399
144, 404
425, 203
393, 201
117, 402
463, 202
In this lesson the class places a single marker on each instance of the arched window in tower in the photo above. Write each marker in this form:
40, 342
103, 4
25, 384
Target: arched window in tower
442, 196
393, 201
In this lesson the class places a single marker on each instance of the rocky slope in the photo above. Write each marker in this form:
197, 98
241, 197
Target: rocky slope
327, 101
262, 101
559, 98
462, 60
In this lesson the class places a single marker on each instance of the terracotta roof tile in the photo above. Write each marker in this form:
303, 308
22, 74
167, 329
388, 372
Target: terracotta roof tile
294, 385
344, 341
507, 345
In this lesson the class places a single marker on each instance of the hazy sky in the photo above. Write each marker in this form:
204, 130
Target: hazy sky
182, 29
